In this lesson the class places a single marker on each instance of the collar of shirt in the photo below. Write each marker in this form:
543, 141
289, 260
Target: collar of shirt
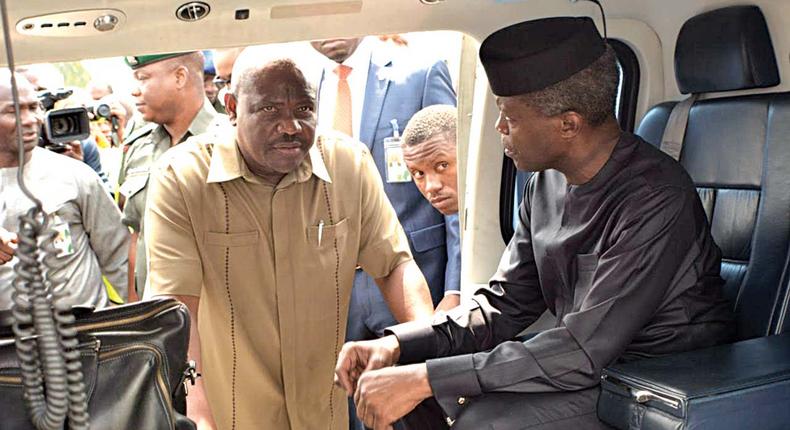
359, 62
200, 124
60, 174
227, 164
616, 164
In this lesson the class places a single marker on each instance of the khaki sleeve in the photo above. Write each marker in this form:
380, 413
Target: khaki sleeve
174, 266
132, 187
383, 243
131, 215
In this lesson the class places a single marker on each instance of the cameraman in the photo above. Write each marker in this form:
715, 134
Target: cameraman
92, 240
47, 78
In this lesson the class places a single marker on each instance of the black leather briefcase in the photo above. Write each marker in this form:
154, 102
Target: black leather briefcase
133, 361
745, 385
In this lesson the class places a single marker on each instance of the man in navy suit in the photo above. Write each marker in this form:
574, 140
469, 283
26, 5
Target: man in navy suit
384, 91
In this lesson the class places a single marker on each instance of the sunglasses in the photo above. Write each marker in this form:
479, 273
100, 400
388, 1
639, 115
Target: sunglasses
221, 82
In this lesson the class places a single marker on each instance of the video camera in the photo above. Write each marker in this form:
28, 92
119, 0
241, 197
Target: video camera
101, 110
62, 125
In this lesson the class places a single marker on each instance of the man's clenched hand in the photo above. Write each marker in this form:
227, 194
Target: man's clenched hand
384, 396
358, 357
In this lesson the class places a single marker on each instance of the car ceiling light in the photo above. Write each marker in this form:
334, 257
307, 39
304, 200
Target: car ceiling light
72, 24
193, 11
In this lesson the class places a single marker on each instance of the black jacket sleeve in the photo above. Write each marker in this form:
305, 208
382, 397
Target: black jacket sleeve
654, 245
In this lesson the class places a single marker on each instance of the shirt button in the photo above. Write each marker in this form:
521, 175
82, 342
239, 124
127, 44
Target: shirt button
461, 400
449, 421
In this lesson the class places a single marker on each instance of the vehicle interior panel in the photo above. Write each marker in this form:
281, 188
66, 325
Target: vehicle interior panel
737, 142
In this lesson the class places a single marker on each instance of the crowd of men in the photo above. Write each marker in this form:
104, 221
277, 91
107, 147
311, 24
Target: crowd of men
317, 247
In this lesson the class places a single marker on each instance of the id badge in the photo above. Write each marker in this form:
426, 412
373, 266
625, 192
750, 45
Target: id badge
62, 242
396, 167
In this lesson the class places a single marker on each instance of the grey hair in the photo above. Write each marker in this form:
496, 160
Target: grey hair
429, 122
591, 92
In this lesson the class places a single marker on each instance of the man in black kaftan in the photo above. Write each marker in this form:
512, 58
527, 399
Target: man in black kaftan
612, 239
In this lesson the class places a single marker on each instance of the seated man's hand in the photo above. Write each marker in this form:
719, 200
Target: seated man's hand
384, 396
358, 357
8, 243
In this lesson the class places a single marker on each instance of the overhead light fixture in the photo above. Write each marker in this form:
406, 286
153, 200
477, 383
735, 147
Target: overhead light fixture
193, 11
72, 24
105, 22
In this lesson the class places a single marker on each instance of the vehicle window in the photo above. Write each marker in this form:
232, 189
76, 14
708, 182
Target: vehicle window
514, 181
94, 82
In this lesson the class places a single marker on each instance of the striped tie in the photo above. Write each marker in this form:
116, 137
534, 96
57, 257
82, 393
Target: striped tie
342, 120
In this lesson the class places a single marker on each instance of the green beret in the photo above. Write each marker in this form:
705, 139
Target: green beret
135, 62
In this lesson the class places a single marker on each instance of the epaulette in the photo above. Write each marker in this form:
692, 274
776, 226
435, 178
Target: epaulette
140, 132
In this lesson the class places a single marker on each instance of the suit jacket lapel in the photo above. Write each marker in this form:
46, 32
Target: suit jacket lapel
375, 92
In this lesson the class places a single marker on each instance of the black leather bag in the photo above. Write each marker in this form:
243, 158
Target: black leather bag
745, 385
134, 358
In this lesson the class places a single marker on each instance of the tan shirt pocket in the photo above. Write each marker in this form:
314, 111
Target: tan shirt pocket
328, 233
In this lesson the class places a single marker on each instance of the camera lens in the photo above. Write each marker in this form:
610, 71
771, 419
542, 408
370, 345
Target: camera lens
63, 125
103, 111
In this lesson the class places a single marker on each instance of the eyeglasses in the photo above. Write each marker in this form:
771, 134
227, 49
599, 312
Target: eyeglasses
221, 82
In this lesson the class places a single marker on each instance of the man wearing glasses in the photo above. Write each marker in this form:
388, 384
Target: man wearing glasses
223, 66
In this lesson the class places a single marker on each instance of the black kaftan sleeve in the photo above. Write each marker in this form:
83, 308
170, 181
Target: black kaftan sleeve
653, 244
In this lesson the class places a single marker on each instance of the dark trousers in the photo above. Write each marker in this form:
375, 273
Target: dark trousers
368, 316
514, 411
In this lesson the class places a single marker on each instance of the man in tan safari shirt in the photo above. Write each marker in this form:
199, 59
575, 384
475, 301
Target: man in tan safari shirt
258, 228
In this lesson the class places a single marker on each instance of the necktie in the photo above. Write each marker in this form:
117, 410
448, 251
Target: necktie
342, 120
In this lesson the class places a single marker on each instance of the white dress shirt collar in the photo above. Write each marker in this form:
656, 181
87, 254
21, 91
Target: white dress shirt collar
359, 62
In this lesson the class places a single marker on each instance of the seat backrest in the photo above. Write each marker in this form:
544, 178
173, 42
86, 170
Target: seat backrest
737, 151
783, 324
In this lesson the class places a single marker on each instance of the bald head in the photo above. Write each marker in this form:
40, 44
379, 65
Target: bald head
253, 62
224, 59
280, 71
29, 116
23, 85
5, 82
99, 89
42, 76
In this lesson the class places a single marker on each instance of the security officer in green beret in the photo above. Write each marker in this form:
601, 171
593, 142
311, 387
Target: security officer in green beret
171, 98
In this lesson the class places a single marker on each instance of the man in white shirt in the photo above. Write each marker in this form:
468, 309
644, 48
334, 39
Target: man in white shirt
91, 239
356, 55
